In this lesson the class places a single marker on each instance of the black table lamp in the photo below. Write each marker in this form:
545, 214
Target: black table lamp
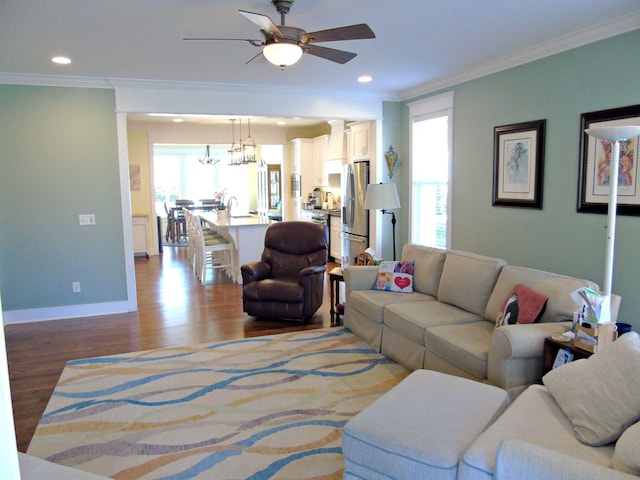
383, 196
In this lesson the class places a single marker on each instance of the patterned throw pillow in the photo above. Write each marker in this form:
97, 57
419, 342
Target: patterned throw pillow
522, 305
395, 276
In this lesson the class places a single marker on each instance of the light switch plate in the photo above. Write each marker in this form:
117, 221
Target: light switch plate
87, 219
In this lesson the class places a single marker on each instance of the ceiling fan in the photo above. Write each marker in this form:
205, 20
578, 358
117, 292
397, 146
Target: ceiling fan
283, 45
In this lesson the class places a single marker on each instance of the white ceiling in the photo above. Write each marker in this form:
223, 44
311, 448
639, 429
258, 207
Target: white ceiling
420, 45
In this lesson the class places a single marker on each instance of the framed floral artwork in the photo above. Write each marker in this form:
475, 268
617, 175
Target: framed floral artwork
518, 166
593, 179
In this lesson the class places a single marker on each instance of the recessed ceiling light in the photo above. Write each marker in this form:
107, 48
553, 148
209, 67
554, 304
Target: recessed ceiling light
281, 122
365, 78
61, 60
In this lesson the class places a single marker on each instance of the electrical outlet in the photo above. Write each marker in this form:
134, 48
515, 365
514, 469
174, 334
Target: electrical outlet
75, 286
87, 219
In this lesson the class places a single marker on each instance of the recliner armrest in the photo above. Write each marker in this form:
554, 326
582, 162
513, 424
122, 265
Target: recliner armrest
255, 271
312, 270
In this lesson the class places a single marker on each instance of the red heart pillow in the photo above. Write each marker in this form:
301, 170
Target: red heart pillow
401, 282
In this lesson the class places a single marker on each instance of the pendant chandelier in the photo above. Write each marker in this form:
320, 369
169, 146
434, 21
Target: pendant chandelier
244, 152
249, 147
208, 158
235, 152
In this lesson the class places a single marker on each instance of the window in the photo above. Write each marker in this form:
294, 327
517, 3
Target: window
431, 122
178, 173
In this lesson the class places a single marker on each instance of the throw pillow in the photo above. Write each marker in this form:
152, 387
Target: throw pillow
600, 395
402, 279
625, 456
522, 305
385, 272
395, 276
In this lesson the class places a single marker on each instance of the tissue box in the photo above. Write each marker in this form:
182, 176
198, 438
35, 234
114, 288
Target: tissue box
591, 339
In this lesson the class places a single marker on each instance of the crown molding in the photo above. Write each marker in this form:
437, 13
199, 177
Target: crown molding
8, 78
608, 29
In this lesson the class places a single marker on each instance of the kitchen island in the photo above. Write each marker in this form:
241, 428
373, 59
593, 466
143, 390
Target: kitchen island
246, 231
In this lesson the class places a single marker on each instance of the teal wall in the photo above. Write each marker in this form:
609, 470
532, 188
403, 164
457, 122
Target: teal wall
556, 238
58, 159
395, 133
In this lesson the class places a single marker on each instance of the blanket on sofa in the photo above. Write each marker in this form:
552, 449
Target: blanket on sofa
264, 407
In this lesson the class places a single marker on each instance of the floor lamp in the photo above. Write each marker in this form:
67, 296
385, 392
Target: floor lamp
613, 135
383, 196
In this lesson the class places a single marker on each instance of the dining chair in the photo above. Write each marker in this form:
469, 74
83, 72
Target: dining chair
170, 227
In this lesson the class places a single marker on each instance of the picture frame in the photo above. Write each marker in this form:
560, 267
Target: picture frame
518, 168
593, 174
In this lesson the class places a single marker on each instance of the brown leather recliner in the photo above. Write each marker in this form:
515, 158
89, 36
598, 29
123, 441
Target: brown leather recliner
288, 281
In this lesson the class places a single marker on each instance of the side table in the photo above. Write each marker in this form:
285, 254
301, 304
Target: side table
551, 348
335, 277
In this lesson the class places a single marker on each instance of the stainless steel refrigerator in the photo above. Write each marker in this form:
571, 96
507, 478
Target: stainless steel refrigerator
355, 219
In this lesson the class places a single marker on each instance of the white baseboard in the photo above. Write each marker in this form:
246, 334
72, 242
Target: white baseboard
69, 311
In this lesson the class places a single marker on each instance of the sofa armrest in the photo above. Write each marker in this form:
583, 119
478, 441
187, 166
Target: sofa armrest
526, 461
516, 353
359, 278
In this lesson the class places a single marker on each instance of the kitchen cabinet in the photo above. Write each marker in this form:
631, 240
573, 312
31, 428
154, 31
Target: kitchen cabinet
335, 243
361, 141
302, 163
139, 229
319, 161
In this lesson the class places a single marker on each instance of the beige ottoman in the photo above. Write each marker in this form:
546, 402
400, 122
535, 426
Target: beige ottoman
420, 428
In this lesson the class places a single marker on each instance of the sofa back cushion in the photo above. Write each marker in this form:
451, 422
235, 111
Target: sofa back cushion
555, 287
427, 269
468, 279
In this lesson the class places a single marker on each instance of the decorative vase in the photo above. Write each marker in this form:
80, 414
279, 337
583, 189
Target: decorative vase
392, 158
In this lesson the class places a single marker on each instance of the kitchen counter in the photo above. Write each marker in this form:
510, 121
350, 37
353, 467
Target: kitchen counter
241, 220
246, 231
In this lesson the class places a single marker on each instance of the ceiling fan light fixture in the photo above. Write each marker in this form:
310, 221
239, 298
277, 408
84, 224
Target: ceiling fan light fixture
282, 54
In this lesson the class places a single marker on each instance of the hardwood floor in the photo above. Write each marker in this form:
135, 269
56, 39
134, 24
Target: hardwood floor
173, 309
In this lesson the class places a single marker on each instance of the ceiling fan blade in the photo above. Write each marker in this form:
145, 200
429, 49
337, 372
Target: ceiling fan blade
250, 40
338, 56
254, 57
351, 32
264, 22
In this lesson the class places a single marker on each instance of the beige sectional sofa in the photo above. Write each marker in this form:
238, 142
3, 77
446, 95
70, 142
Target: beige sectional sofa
447, 323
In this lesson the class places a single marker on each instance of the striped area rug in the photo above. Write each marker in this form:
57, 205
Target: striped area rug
257, 408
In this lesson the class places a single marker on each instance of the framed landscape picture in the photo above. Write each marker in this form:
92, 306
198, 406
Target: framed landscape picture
518, 151
593, 179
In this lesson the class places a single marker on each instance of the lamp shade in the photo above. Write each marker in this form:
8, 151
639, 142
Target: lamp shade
282, 54
611, 134
381, 196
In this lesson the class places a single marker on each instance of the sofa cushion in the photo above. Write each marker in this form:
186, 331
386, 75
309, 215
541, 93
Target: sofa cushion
428, 263
625, 456
411, 319
372, 302
465, 346
533, 417
522, 305
600, 395
555, 287
468, 279
420, 428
